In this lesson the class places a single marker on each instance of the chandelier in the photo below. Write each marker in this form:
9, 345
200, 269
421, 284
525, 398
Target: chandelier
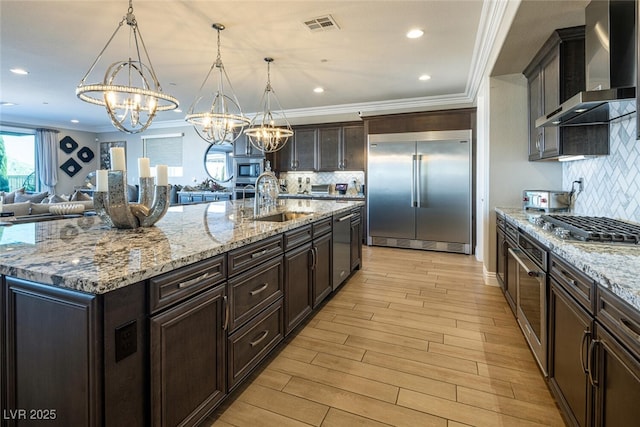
219, 120
263, 132
130, 91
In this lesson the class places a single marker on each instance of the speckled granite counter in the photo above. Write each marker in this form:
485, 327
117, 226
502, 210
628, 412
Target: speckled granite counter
615, 267
322, 196
84, 254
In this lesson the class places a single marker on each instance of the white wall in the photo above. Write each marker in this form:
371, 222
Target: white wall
506, 158
193, 150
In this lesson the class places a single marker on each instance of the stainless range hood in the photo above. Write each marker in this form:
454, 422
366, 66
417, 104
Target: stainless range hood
610, 48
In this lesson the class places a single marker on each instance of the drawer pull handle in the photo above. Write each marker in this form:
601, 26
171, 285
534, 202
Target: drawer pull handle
585, 335
225, 300
568, 278
344, 218
192, 282
260, 289
631, 327
259, 340
258, 254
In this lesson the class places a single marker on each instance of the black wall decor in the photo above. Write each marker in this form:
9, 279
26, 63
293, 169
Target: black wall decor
68, 145
71, 167
85, 154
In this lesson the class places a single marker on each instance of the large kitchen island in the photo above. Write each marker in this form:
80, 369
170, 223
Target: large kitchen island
156, 326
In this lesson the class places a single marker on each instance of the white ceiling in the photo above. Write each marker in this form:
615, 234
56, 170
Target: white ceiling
366, 65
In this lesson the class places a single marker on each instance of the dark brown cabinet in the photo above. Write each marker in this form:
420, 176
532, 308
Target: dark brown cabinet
299, 152
507, 235
570, 332
324, 148
555, 74
297, 286
188, 376
321, 265
52, 354
243, 148
594, 351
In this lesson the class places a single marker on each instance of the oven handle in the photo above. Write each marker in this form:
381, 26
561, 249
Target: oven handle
514, 254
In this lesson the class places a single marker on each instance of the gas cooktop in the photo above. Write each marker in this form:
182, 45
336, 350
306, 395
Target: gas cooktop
591, 229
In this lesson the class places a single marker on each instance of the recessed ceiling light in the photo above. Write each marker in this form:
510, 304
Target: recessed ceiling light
20, 71
424, 77
318, 90
177, 110
415, 33
75, 121
7, 104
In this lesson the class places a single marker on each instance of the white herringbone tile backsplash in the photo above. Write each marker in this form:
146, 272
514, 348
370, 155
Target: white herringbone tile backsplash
611, 183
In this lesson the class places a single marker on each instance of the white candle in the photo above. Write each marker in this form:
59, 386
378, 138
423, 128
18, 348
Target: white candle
118, 162
162, 175
144, 169
102, 180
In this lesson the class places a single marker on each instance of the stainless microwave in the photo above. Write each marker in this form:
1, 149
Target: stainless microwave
247, 170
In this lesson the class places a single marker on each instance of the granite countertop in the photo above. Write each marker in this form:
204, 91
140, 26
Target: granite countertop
613, 266
86, 255
329, 196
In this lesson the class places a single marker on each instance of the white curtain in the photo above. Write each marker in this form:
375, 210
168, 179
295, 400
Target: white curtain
47, 160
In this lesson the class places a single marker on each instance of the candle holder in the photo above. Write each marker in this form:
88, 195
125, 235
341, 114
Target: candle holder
113, 207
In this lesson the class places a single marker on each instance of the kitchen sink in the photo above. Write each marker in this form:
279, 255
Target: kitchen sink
282, 216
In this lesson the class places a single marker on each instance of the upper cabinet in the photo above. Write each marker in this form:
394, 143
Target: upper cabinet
324, 148
243, 148
555, 74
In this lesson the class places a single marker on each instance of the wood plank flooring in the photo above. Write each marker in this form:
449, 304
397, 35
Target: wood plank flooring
412, 339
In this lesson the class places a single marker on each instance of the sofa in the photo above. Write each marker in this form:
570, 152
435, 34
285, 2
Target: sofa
22, 203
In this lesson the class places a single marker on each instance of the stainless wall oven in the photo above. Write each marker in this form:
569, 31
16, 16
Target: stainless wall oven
531, 282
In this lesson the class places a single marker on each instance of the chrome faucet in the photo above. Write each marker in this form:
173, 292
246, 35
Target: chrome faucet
263, 197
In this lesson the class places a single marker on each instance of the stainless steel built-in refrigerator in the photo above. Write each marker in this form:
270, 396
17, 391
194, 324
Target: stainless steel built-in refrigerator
419, 190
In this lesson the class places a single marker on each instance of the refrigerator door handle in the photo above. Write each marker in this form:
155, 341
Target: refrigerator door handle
413, 180
419, 180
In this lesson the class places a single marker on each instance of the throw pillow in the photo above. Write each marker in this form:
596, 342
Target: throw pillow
33, 198
11, 197
54, 198
80, 196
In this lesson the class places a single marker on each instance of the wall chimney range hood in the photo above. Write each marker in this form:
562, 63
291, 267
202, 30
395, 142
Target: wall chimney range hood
610, 49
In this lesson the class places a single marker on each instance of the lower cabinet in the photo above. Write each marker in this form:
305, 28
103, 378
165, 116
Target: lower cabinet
570, 332
188, 376
297, 286
321, 267
252, 342
52, 356
593, 354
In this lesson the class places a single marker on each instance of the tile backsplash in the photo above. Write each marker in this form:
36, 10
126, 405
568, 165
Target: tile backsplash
347, 177
611, 183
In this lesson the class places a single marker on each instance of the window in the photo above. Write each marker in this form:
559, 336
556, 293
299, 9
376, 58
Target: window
164, 150
17, 161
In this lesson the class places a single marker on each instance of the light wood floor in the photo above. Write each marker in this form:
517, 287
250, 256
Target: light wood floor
413, 339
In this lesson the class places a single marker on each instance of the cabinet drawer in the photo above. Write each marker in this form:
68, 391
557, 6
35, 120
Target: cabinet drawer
576, 283
179, 284
250, 344
243, 258
297, 237
252, 291
321, 227
621, 319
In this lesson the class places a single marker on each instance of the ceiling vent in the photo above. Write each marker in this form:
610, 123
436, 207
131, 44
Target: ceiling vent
321, 23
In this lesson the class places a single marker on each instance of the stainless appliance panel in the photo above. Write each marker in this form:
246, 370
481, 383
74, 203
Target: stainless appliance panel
341, 248
444, 191
391, 189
